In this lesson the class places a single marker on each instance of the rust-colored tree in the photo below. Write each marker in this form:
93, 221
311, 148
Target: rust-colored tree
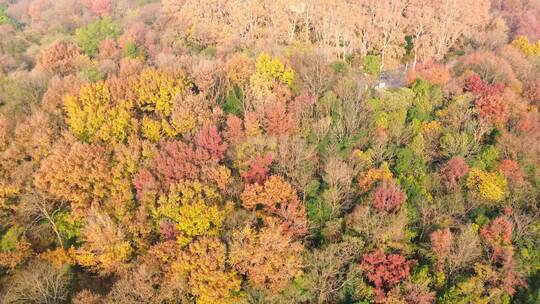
276, 199
177, 160
269, 258
510, 169
61, 57
388, 197
454, 170
441, 243
210, 140
433, 72
76, 172
385, 271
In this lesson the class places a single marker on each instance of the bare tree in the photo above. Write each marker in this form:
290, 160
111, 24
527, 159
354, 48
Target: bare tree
37, 209
38, 283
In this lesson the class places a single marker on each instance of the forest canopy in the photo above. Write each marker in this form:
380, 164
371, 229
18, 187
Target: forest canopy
284, 151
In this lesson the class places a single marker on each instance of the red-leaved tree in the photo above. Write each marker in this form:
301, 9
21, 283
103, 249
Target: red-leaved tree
489, 101
234, 132
498, 237
385, 271
277, 121
260, 168
388, 197
146, 185
210, 140
177, 160
510, 169
454, 170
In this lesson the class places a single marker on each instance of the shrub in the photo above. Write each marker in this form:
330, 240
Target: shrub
372, 65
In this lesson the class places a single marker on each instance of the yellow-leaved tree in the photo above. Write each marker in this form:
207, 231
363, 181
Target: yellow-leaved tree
203, 266
270, 71
490, 186
111, 110
92, 115
193, 208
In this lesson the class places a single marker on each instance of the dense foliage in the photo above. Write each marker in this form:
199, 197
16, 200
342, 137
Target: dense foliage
232, 151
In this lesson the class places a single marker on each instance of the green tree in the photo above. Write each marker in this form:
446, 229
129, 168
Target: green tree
89, 37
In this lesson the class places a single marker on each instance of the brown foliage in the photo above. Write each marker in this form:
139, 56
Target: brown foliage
433, 72
269, 258
532, 91
276, 198
76, 172
238, 69
52, 100
39, 282
86, 296
61, 57
454, 170
5, 131
441, 243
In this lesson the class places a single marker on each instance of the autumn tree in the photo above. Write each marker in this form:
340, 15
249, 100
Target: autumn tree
454, 170
270, 72
92, 115
490, 186
510, 169
99, 7
385, 271
259, 170
210, 140
191, 206
498, 236
441, 244
105, 246
76, 172
177, 160
532, 91
204, 266
61, 57
39, 282
388, 197
430, 71
269, 258
277, 199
